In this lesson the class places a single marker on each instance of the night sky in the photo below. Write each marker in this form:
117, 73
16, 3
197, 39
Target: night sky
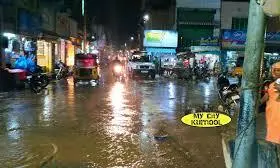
120, 16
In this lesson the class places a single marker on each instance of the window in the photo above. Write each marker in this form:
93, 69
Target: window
239, 23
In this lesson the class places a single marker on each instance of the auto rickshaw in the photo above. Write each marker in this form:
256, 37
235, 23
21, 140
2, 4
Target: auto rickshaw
238, 70
86, 68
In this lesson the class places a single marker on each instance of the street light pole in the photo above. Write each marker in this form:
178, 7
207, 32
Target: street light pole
85, 24
1, 37
245, 153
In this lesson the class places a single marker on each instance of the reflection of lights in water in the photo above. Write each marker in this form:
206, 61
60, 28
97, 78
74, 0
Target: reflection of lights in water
119, 122
171, 90
207, 94
207, 91
172, 96
71, 98
13, 125
48, 105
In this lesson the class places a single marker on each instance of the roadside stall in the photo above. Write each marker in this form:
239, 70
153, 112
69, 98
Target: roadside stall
182, 69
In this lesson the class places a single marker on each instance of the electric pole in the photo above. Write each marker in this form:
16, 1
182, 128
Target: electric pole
1, 37
245, 152
85, 24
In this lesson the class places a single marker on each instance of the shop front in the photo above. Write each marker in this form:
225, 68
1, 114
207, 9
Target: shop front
70, 54
161, 46
45, 55
206, 54
19, 46
233, 48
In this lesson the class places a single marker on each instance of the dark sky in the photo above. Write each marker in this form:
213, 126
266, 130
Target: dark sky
121, 16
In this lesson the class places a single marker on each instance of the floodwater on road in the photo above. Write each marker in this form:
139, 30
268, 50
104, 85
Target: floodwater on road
115, 124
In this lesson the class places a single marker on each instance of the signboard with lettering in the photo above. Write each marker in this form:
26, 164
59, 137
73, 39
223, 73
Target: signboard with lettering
161, 38
48, 22
29, 22
236, 39
62, 25
204, 48
211, 41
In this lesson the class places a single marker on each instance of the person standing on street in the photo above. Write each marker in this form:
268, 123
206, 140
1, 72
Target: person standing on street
156, 62
272, 99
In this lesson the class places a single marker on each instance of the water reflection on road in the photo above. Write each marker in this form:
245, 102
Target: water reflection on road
112, 125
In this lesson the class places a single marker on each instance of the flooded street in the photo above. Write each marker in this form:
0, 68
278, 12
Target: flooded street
116, 124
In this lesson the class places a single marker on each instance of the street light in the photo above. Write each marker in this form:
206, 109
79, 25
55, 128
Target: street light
146, 17
131, 38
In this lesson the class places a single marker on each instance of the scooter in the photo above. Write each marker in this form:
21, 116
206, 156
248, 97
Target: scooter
62, 70
118, 72
228, 94
38, 80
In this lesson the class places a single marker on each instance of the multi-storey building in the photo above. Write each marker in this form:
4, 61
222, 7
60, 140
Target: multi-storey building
197, 19
234, 22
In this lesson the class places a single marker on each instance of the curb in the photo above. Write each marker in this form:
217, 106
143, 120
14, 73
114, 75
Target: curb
227, 154
267, 157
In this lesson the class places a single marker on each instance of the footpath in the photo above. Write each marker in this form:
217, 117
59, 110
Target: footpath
268, 154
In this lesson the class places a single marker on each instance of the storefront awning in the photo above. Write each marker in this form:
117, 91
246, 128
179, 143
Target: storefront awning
49, 35
211, 52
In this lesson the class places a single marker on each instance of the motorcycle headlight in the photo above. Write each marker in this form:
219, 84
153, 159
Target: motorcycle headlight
117, 68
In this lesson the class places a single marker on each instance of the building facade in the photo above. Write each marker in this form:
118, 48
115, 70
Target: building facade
161, 14
197, 19
234, 22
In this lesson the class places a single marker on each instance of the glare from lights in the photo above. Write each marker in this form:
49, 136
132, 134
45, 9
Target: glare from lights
95, 52
131, 38
9, 35
146, 17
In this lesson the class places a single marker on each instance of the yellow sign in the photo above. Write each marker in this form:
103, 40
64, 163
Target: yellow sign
206, 119
155, 37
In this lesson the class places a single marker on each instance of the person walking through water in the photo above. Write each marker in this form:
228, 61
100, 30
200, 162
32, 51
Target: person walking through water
272, 99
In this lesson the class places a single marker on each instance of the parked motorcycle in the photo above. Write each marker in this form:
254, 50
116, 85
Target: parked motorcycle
228, 94
37, 80
44, 78
61, 70
201, 73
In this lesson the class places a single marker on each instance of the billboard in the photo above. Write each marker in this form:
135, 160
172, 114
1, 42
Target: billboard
161, 38
29, 22
236, 39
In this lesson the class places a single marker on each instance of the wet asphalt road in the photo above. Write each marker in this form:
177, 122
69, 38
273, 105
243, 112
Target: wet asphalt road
111, 125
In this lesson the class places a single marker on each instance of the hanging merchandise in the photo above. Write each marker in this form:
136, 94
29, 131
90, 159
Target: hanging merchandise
24, 63
29, 46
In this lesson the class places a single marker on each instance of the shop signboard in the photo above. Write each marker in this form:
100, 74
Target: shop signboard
211, 41
73, 28
161, 38
236, 39
62, 25
204, 48
233, 39
29, 23
272, 37
48, 19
